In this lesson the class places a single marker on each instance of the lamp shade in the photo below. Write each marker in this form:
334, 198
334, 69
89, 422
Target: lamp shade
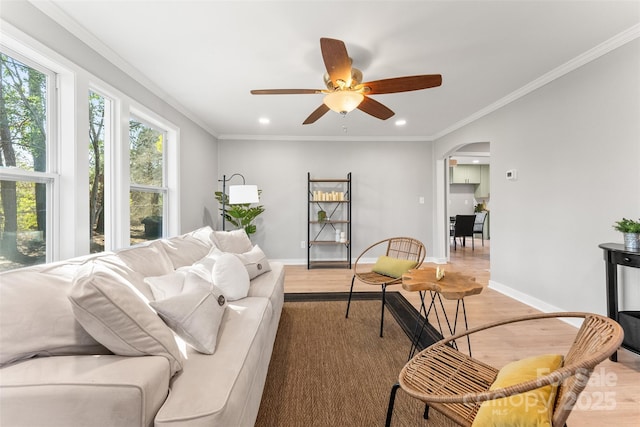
241, 194
343, 101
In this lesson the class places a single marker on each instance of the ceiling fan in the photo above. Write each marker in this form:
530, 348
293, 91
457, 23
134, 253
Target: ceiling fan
345, 90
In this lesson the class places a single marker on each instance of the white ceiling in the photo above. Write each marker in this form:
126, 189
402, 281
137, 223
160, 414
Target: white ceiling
205, 56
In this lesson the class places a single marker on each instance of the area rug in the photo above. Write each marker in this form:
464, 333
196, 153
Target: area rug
327, 370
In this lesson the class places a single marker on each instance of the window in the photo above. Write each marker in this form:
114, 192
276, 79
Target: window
96, 169
147, 176
72, 182
26, 183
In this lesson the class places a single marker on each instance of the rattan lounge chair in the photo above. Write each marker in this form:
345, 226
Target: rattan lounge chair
404, 248
454, 385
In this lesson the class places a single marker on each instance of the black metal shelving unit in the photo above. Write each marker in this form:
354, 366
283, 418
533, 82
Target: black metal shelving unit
333, 197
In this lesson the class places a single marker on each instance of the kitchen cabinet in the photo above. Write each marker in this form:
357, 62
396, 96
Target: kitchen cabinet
482, 190
465, 174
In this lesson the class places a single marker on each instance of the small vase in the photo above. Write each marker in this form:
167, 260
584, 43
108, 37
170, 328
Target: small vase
632, 241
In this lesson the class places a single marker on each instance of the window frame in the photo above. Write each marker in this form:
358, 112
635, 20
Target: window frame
49, 176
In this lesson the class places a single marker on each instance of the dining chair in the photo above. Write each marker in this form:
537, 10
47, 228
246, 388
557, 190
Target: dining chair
478, 225
463, 228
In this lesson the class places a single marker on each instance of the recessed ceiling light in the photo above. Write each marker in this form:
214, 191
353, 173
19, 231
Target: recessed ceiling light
264, 121
476, 161
401, 122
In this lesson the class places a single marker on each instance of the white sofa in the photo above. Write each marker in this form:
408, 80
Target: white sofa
53, 372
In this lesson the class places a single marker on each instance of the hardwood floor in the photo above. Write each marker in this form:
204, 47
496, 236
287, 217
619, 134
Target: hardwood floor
612, 397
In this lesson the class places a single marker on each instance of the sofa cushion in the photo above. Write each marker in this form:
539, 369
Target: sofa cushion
231, 277
117, 265
195, 316
185, 249
204, 394
27, 291
80, 391
236, 241
148, 259
116, 315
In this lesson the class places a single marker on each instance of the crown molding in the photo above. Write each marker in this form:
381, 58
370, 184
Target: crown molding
577, 62
235, 137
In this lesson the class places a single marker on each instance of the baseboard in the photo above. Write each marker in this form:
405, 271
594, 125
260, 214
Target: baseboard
531, 301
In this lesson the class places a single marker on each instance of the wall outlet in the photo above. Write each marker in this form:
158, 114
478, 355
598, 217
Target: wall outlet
302, 244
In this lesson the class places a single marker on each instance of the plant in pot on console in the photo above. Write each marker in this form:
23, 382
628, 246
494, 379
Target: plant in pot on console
631, 231
241, 215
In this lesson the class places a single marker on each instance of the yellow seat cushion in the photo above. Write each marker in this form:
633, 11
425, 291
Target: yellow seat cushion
529, 409
392, 267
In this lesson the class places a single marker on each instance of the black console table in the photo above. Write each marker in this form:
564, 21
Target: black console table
615, 254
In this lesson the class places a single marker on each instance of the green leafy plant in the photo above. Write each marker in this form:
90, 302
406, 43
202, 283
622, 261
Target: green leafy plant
242, 215
627, 226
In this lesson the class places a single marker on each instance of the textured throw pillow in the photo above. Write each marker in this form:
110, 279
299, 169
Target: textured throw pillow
195, 316
235, 241
393, 267
530, 409
166, 286
116, 315
231, 277
194, 281
255, 261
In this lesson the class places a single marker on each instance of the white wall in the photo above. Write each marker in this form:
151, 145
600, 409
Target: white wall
461, 199
576, 145
387, 180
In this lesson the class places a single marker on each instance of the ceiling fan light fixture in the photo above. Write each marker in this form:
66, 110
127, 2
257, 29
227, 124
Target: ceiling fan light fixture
343, 101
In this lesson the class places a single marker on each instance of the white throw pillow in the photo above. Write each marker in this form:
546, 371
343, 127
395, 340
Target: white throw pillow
195, 316
166, 286
115, 314
235, 241
255, 261
231, 277
204, 266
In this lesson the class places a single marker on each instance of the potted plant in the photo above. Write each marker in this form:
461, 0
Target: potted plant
631, 231
242, 215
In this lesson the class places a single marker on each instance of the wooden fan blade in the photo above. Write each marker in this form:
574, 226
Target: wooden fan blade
403, 84
318, 112
336, 60
285, 91
374, 108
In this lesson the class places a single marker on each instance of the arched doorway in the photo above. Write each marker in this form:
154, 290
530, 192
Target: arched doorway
463, 187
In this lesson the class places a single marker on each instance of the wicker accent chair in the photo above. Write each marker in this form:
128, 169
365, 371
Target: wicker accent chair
454, 384
405, 248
